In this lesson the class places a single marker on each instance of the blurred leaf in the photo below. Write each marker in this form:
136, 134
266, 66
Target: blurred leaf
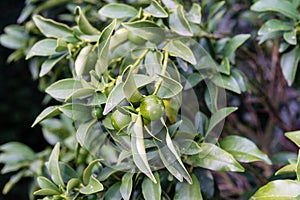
227, 82
294, 136
84, 24
93, 186
233, 44
18, 148
207, 182
12, 42
188, 147
156, 10
47, 113
178, 49
138, 149
45, 183
186, 191
12, 181
50, 63
290, 168
51, 28
282, 6
63, 88
278, 190
194, 15
126, 185
243, 149
146, 30
289, 64
113, 193
179, 23
53, 166
290, 37
274, 25
45, 47
214, 158
151, 190
46, 192
298, 167
169, 88
118, 10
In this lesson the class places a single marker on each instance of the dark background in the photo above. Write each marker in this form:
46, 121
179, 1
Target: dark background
20, 101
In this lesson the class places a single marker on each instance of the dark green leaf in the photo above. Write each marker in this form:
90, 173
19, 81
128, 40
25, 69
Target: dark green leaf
233, 44
227, 82
188, 147
274, 25
118, 11
126, 185
156, 10
113, 193
178, 49
45, 47
52, 28
278, 190
289, 64
243, 149
146, 30
214, 158
45, 183
47, 113
151, 191
282, 6
186, 191
179, 23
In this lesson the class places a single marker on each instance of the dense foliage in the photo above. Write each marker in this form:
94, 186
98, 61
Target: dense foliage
138, 92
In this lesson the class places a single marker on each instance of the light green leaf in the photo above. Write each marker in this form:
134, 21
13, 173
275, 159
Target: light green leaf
81, 93
178, 23
126, 185
282, 6
53, 166
214, 158
81, 60
103, 48
46, 192
87, 173
243, 149
45, 183
82, 132
12, 181
194, 15
156, 10
118, 11
274, 25
153, 63
294, 136
290, 37
298, 167
18, 148
47, 113
289, 64
146, 30
76, 111
12, 42
114, 98
138, 149
62, 89
94, 186
227, 82
50, 63
186, 191
51, 28
278, 190
179, 49
188, 147
83, 23
233, 44
218, 116
150, 190
45, 47
142, 80
169, 88
290, 168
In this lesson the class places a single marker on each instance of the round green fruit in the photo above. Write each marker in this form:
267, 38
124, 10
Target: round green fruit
152, 108
97, 112
120, 120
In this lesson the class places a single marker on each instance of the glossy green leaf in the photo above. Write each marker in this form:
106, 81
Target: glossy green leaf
188, 147
290, 37
45, 183
186, 191
290, 168
82, 59
47, 113
53, 166
94, 186
84, 24
114, 98
63, 88
179, 49
178, 22
218, 116
227, 82
82, 132
45, 47
138, 149
150, 190
50, 63
156, 10
274, 25
278, 190
169, 88
194, 15
103, 48
87, 173
113, 193
146, 30
243, 149
118, 11
289, 64
126, 185
282, 6
233, 44
214, 158
294, 136
51, 28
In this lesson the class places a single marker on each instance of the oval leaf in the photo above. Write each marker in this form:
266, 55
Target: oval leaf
44, 47
178, 23
126, 185
156, 10
151, 191
47, 113
185, 191
178, 49
118, 11
289, 64
94, 186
